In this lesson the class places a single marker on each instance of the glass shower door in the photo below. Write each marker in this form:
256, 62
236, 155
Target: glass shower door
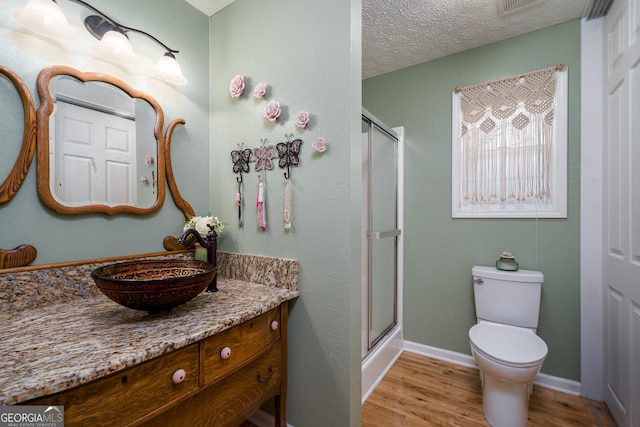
382, 232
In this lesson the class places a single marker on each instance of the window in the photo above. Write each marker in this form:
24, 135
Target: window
509, 147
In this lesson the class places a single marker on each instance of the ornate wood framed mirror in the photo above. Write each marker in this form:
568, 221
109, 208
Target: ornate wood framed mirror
100, 144
23, 254
14, 180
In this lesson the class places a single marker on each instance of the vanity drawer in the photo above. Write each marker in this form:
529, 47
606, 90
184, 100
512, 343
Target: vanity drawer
235, 347
230, 401
128, 395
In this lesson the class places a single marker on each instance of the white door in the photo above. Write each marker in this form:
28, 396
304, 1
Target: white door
96, 157
622, 211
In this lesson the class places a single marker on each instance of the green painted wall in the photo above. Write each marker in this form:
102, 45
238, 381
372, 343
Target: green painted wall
288, 45
440, 251
61, 238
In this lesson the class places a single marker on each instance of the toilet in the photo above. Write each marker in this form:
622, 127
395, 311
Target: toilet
504, 343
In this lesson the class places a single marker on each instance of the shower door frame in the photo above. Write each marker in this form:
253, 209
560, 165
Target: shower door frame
378, 358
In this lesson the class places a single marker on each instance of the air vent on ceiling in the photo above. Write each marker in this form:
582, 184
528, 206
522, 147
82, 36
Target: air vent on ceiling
597, 9
507, 7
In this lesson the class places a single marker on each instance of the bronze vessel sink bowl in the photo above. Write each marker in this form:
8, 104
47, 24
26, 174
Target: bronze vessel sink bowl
154, 285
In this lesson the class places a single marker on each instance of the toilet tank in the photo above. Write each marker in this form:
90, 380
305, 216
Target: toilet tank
507, 297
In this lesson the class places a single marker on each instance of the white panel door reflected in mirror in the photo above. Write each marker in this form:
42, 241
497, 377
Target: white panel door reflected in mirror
95, 157
100, 144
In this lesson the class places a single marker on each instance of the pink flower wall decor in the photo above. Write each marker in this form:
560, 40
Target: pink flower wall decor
319, 145
302, 119
236, 87
272, 111
260, 90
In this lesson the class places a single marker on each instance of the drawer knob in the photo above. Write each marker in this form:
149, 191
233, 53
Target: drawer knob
179, 376
275, 325
225, 353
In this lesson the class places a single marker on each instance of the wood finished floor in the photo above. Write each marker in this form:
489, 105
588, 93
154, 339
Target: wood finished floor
420, 391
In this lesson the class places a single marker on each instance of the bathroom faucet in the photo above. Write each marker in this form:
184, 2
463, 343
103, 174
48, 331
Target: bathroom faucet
211, 245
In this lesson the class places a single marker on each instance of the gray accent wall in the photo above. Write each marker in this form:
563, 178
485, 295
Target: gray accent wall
440, 251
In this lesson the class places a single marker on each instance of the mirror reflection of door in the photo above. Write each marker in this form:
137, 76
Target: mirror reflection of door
96, 157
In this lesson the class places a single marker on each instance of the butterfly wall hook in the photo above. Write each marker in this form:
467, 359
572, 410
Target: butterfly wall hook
241, 158
289, 153
263, 155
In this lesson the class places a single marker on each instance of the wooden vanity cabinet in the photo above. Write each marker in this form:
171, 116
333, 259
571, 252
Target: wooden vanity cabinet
122, 398
225, 380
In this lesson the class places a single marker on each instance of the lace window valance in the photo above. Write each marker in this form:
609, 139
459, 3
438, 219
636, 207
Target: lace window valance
508, 146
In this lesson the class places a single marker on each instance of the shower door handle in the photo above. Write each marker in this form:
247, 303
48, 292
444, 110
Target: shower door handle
377, 235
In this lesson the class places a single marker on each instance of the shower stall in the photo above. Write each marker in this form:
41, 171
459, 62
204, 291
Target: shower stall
382, 339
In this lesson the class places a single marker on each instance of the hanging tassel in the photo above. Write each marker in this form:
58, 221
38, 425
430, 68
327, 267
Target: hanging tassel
262, 221
239, 201
287, 203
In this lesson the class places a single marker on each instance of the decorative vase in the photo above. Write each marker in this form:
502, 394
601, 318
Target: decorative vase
507, 264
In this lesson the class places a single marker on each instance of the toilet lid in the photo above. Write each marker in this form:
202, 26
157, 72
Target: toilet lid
507, 343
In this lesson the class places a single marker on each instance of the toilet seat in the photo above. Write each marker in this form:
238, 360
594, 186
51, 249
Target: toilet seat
506, 344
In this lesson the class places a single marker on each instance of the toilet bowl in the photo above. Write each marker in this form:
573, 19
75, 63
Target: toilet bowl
509, 358
504, 341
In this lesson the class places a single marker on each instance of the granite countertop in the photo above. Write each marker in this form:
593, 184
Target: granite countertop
54, 347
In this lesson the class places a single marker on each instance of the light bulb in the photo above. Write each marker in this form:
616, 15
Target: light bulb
44, 17
168, 69
115, 47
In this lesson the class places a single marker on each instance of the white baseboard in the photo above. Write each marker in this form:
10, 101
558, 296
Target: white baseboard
558, 384
542, 380
441, 354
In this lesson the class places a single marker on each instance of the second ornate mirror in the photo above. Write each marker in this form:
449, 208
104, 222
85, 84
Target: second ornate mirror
100, 144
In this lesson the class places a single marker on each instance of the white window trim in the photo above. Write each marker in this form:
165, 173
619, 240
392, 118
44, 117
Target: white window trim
558, 171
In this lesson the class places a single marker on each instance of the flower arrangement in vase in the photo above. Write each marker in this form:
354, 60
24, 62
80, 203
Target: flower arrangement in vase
201, 225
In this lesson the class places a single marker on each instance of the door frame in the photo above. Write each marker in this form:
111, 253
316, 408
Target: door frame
591, 210
594, 283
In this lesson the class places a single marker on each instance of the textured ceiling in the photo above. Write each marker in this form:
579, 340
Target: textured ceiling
400, 33
397, 34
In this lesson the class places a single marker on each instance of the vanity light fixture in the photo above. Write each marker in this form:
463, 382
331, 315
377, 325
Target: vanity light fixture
46, 18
